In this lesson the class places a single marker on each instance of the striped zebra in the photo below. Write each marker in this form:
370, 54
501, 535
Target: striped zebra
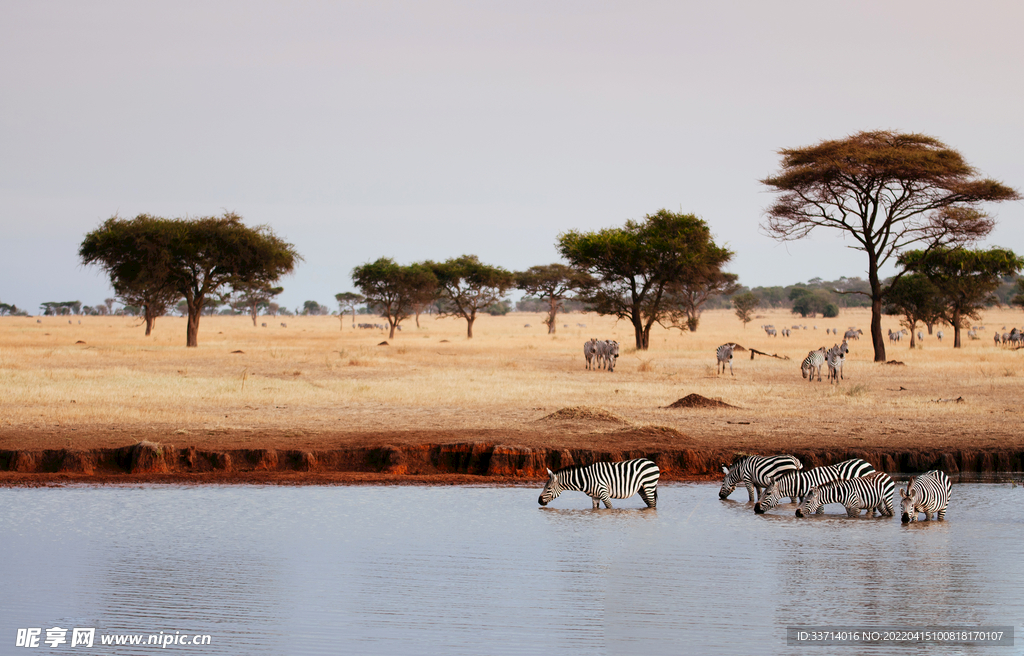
590, 352
724, 354
926, 494
756, 473
607, 354
939, 334
836, 357
813, 361
871, 492
853, 333
797, 484
603, 481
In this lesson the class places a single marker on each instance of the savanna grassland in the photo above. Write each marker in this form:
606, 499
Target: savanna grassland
318, 383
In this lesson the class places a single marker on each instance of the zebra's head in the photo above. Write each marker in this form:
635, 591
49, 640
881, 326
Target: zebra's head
769, 499
732, 477
908, 514
551, 490
811, 504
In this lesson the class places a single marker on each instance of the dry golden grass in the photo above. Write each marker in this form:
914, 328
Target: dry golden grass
313, 377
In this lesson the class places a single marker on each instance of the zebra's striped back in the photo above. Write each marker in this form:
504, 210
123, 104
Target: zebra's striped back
798, 483
871, 492
756, 472
813, 362
928, 493
602, 481
724, 354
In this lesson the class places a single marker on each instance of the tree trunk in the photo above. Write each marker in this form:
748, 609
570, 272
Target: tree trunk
913, 334
469, 325
930, 326
150, 320
195, 311
255, 312
956, 330
638, 330
393, 324
552, 316
876, 330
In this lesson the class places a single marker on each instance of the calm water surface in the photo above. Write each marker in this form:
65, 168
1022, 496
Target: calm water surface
472, 570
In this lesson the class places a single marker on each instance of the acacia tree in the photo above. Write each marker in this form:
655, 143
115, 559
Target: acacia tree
467, 286
552, 283
348, 301
392, 288
634, 269
745, 305
916, 300
253, 297
965, 279
1018, 298
887, 191
687, 297
194, 257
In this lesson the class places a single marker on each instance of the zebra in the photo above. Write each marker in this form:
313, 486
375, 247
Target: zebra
607, 354
603, 481
920, 336
813, 361
997, 339
770, 331
756, 473
939, 334
871, 492
724, 354
835, 357
926, 494
853, 333
797, 484
590, 352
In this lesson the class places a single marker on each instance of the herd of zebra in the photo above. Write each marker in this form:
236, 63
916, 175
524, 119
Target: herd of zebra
834, 357
602, 354
769, 479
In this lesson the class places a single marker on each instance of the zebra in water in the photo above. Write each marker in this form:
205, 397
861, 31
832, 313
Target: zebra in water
797, 484
926, 494
835, 357
724, 354
756, 473
603, 481
813, 362
871, 492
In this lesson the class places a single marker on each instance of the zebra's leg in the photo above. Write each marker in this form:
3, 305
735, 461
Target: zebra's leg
795, 499
751, 494
649, 496
596, 501
941, 514
852, 511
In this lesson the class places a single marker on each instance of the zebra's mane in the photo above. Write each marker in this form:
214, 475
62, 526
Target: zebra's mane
570, 469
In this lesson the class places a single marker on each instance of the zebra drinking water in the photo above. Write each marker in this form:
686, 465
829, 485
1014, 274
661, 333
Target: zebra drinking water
797, 484
813, 362
871, 492
928, 493
724, 354
603, 481
756, 473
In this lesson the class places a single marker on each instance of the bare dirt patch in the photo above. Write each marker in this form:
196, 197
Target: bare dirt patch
585, 413
698, 401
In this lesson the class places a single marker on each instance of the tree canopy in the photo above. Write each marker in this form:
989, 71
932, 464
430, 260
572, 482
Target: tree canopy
194, 258
393, 289
635, 269
745, 305
347, 302
553, 283
468, 286
965, 279
916, 300
887, 191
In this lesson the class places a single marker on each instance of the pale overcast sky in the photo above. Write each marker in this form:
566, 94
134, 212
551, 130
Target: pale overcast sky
425, 129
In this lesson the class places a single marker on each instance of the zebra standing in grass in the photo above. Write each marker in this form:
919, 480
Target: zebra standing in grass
871, 492
756, 473
797, 484
607, 354
603, 481
926, 494
590, 352
813, 361
835, 357
724, 354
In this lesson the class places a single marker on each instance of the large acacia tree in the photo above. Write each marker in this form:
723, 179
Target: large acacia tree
887, 191
393, 289
634, 269
965, 279
467, 286
195, 258
553, 283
